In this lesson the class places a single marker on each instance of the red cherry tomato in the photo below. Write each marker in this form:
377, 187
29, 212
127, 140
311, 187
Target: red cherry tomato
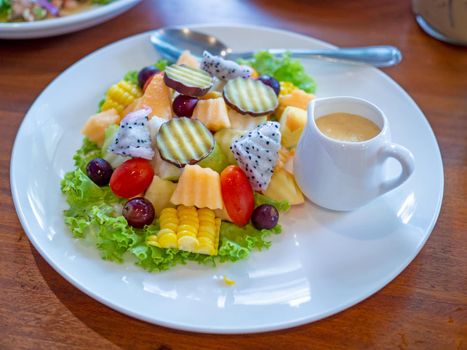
131, 178
237, 194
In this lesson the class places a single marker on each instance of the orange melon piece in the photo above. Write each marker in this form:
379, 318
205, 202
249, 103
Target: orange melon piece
199, 187
188, 59
135, 105
158, 97
244, 121
210, 95
94, 128
297, 98
212, 113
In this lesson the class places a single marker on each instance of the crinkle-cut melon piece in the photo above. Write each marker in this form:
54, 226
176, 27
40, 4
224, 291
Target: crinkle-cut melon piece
158, 97
283, 187
94, 128
159, 193
212, 113
244, 121
199, 187
188, 59
297, 98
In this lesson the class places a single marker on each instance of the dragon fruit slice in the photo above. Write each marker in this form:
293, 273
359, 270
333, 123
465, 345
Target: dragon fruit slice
224, 69
133, 138
256, 153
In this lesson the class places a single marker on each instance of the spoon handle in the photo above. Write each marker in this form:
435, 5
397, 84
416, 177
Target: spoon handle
378, 56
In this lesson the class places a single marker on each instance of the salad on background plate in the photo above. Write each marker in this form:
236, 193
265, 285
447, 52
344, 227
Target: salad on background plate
37, 10
191, 161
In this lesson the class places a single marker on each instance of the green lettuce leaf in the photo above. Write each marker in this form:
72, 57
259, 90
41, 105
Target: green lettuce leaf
131, 77
161, 64
282, 68
5, 10
88, 150
279, 205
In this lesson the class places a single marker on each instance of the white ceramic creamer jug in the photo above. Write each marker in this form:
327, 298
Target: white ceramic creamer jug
345, 175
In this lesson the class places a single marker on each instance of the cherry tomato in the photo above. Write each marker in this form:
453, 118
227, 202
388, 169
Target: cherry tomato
237, 194
131, 178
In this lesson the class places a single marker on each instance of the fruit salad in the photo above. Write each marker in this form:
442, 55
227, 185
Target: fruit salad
190, 161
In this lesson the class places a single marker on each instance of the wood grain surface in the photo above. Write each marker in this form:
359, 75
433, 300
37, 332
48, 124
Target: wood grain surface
423, 308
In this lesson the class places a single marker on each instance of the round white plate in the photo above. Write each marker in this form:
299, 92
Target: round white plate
322, 263
66, 24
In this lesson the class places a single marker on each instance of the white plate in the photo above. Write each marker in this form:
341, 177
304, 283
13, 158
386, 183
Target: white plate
66, 24
322, 263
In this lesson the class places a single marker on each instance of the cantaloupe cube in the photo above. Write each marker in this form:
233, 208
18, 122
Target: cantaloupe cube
158, 97
94, 128
159, 193
297, 98
212, 113
283, 187
188, 59
244, 121
199, 187
293, 121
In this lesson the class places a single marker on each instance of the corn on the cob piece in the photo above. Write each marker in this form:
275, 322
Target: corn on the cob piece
212, 113
199, 187
121, 95
189, 229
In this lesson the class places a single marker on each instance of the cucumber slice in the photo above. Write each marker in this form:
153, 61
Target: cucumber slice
187, 80
183, 141
250, 96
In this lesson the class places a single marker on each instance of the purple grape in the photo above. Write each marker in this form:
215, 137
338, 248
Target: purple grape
145, 74
138, 212
272, 82
265, 216
99, 171
183, 106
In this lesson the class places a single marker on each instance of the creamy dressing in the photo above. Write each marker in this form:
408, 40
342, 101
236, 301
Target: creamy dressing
347, 127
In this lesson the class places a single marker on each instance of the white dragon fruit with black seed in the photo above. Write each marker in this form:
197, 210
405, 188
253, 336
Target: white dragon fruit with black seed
133, 138
256, 153
224, 69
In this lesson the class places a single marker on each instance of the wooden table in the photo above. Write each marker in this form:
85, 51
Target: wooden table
424, 308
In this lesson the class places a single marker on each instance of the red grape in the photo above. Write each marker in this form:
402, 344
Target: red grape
138, 212
183, 106
271, 82
145, 74
265, 217
99, 171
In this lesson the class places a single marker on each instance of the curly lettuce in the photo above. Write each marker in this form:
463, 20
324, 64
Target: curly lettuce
282, 68
5, 10
95, 215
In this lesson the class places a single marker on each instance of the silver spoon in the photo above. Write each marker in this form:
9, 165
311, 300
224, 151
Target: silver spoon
171, 42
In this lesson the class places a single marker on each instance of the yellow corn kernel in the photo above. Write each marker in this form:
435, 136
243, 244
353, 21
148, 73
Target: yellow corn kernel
188, 243
286, 88
121, 95
228, 281
152, 240
185, 227
167, 240
185, 233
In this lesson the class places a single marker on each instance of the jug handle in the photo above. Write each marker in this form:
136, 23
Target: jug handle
404, 157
